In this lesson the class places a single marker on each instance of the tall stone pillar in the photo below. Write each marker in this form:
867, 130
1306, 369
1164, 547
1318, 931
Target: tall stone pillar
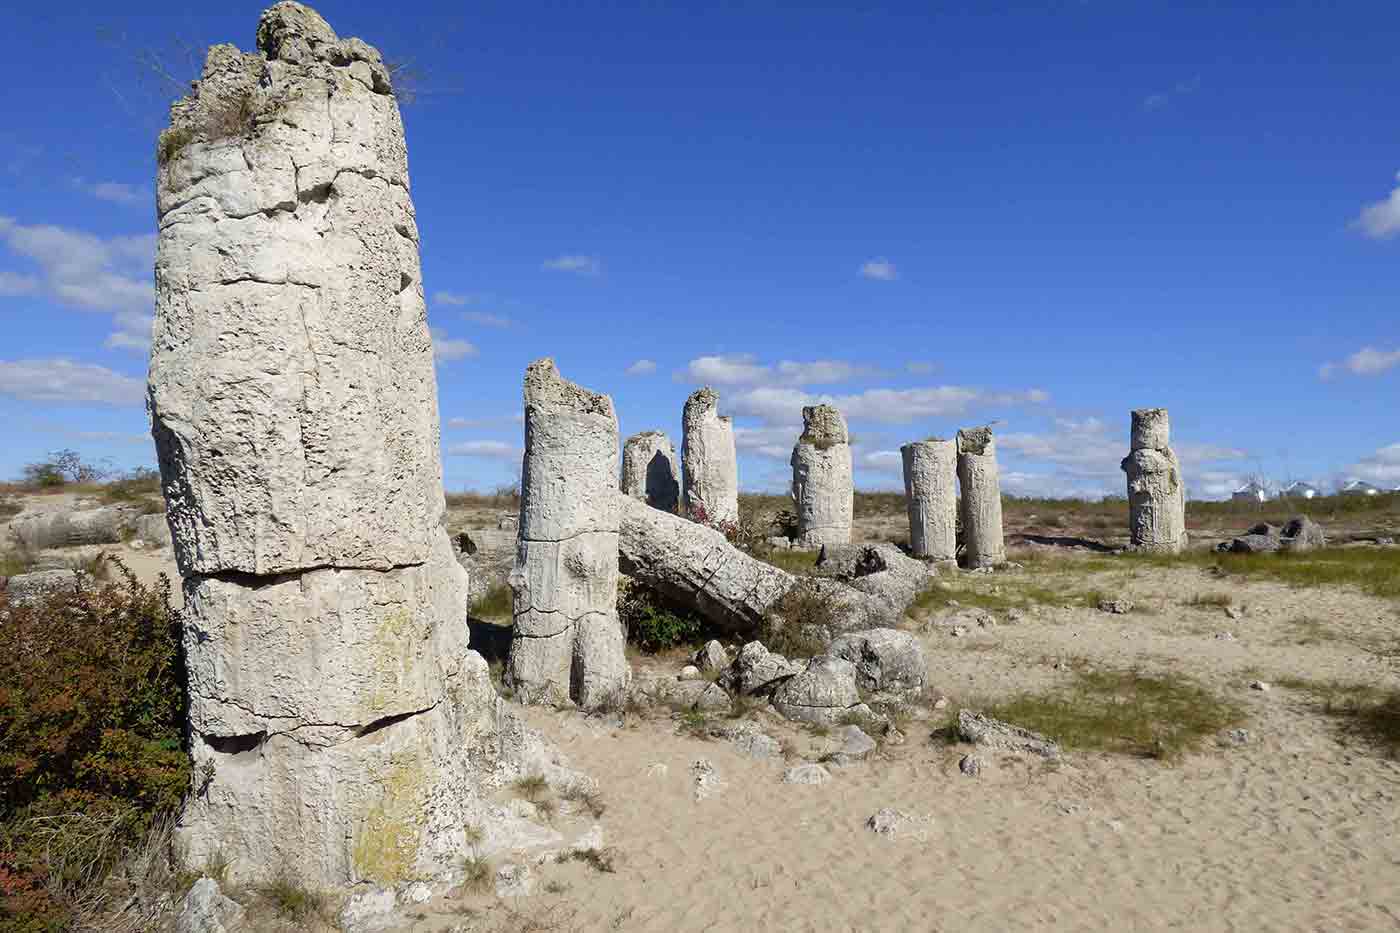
649, 470
1156, 492
567, 643
710, 470
983, 538
823, 487
333, 698
931, 495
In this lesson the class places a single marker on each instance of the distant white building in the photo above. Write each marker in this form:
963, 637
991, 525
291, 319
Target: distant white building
1359, 487
1251, 492
1299, 490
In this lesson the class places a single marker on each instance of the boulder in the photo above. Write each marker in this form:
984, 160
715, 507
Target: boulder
993, 733
712, 658
207, 910
1303, 534
29, 589
63, 529
887, 661
756, 670
823, 694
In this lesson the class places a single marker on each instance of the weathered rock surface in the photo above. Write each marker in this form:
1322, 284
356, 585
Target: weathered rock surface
978, 475
567, 642
710, 470
931, 496
649, 470
153, 529
757, 670
27, 589
887, 661
711, 658
62, 529
808, 774
334, 702
1303, 534
883, 572
1156, 491
993, 733
207, 910
1299, 534
823, 693
823, 485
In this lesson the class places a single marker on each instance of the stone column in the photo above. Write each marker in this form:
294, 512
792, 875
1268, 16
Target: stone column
333, 699
931, 495
649, 470
710, 467
567, 643
823, 488
985, 544
1156, 493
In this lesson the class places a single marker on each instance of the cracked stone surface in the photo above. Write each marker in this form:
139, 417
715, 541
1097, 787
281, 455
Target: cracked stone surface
335, 704
567, 643
649, 470
823, 486
931, 495
1156, 490
983, 539
710, 470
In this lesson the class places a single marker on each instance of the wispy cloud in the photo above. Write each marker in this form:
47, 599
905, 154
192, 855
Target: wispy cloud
133, 332
881, 270
576, 263
12, 284
62, 380
115, 192
487, 320
1161, 99
1368, 361
782, 405
490, 450
487, 422
641, 368
1381, 467
447, 349
1381, 219
453, 299
745, 369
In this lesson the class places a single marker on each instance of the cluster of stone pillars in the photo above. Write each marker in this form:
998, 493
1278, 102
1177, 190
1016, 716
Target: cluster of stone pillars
933, 471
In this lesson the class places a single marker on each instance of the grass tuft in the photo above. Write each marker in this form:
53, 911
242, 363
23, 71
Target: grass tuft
498, 602
531, 787
1373, 713
600, 860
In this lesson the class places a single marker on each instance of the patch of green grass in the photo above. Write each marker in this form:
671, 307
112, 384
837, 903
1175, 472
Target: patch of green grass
1372, 712
1021, 594
800, 563
602, 861
498, 602
1372, 570
292, 899
1305, 630
477, 874
531, 787
1159, 716
694, 723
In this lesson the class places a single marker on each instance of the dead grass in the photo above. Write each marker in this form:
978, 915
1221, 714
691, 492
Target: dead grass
531, 787
602, 861
1160, 716
587, 798
292, 899
1210, 601
503, 498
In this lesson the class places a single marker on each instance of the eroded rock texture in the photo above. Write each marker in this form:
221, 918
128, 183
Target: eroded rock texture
983, 540
333, 696
931, 495
1156, 492
710, 471
567, 643
823, 488
649, 470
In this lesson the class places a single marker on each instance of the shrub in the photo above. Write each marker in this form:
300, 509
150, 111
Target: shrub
92, 714
496, 603
795, 625
652, 623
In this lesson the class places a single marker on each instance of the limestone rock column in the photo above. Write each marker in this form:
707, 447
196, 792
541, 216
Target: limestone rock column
823, 487
1156, 492
567, 642
710, 468
981, 498
931, 495
333, 699
649, 470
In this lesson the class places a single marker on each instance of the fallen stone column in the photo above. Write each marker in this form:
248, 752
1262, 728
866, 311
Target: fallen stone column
1156, 492
649, 470
567, 643
333, 699
984, 542
823, 487
931, 495
73, 529
710, 471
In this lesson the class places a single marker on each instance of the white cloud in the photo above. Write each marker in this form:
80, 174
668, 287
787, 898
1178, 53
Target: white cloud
486, 320
490, 450
452, 298
880, 461
774, 442
735, 369
821, 372
779, 405
115, 192
12, 283
1381, 220
1368, 361
60, 380
583, 265
447, 349
133, 332
1381, 468
881, 270
641, 368
490, 421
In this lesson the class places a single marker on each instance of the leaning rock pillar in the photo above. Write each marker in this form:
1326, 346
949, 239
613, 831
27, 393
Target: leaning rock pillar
567, 642
333, 700
709, 466
649, 470
981, 498
1156, 493
931, 495
823, 488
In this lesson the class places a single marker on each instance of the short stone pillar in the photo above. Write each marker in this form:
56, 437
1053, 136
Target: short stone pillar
983, 540
931, 495
649, 470
1156, 492
567, 643
823, 488
710, 469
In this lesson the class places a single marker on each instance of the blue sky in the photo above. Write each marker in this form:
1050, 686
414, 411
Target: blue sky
937, 214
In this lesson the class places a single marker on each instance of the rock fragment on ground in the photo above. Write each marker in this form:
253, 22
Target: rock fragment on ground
995, 734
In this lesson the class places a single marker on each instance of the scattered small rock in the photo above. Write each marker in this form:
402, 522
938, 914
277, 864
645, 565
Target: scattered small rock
515, 880
689, 672
970, 765
1234, 612
1236, 737
707, 780
1224, 636
940, 703
806, 774
958, 631
1260, 685
992, 733
207, 910
712, 658
888, 821
1118, 607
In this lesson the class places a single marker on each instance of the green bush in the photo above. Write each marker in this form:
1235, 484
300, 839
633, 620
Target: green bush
653, 624
92, 715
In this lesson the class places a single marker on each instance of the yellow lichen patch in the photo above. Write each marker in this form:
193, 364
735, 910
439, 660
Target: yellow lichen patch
395, 648
388, 838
